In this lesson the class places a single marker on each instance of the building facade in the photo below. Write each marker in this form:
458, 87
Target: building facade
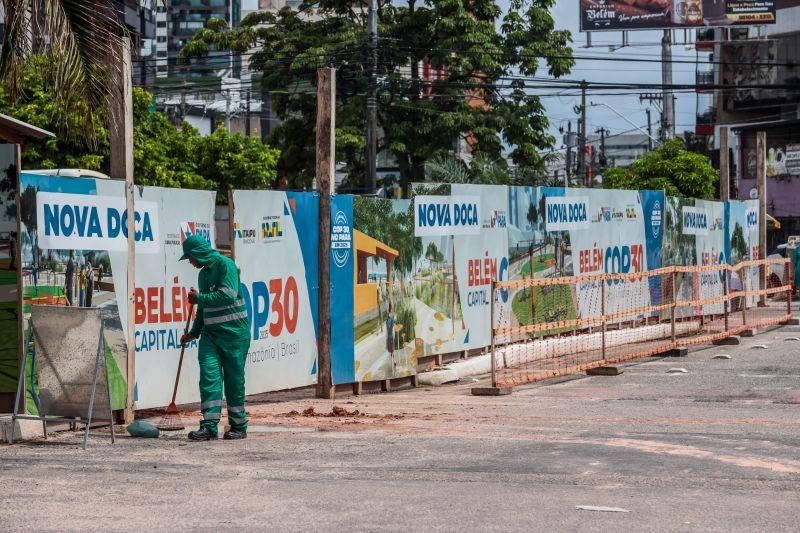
759, 70
177, 21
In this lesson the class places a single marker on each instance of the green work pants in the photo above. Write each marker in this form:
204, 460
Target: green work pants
222, 359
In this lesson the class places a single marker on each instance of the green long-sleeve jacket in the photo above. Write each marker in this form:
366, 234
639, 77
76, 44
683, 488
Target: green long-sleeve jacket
221, 306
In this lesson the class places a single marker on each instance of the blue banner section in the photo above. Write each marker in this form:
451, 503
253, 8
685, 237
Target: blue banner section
653, 212
342, 263
728, 233
305, 212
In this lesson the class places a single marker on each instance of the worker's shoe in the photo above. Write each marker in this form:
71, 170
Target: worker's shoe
202, 434
235, 434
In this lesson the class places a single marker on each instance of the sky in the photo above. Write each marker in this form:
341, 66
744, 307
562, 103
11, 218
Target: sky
644, 44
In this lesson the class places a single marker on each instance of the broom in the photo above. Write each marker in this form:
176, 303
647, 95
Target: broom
171, 421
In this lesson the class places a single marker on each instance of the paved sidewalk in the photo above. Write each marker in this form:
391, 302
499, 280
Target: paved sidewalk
711, 450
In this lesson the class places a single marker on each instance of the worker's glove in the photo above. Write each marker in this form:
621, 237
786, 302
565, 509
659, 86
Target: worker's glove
187, 338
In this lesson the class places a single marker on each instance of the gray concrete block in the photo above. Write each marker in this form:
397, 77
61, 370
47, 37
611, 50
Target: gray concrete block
605, 371
733, 340
491, 391
25, 429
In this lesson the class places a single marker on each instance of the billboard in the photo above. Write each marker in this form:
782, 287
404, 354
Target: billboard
610, 15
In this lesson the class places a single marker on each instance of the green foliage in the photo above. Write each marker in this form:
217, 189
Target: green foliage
376, 218
70, 117
672, 168
472, 49
164, 155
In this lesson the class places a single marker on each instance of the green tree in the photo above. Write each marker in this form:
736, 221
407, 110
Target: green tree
478, 53
73, 38
670, 167
164, 155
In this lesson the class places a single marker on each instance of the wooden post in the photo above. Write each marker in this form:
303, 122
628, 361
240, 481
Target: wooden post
231, 230
326, 150
22, 346
121, 143
761, 182
724, 166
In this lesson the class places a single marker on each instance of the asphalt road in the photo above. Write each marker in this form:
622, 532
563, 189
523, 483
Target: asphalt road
715, 449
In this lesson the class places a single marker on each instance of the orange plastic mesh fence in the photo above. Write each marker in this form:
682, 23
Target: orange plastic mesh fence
556, 326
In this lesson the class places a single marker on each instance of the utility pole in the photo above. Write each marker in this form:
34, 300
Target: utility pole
668, 116
569, 151
228, 110
247, 115
602, 159
724, 166
121, 148
326, 150
372, 97
649, 132
582, 135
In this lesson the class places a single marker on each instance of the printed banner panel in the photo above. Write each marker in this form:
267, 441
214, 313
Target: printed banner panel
71, 274
274, 237
9, 273
161, 307
602, 231
741, 244
386, 306
342, 268
695, 235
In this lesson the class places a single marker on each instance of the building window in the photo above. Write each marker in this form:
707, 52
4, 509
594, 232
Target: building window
161, 39
162, 68
161, 53
161, 24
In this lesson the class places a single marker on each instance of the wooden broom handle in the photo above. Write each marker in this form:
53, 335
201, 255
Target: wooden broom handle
183, 347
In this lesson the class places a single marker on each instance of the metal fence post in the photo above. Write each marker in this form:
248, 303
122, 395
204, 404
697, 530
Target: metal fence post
491, 314
726, 302
789, 285
748, 273
673, 307
603, 318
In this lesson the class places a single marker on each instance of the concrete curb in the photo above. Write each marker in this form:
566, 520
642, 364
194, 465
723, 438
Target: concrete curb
25, 430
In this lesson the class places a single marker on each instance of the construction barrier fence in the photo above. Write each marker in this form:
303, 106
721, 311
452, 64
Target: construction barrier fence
562, 325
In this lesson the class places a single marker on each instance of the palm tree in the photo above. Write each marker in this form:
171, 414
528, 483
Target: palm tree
75, 36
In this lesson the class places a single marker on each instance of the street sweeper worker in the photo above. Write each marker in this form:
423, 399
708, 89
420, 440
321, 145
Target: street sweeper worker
223, 329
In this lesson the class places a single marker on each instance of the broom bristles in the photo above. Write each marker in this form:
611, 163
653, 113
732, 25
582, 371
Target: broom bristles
171, 420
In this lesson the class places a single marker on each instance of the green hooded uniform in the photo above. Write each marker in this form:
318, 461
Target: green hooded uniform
222, 326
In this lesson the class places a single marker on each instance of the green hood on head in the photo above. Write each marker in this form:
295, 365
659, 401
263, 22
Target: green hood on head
198, 249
